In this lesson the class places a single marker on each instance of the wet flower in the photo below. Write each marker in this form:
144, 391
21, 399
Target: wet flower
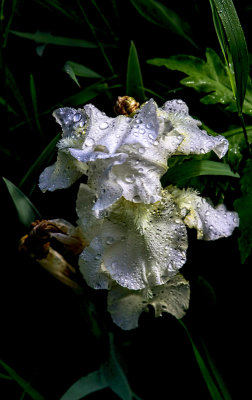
140, 246
123, 156
126, 306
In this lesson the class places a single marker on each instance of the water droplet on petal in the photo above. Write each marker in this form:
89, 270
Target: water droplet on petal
155, 143
110, 240
77, 117
89, 142
137, 199
141, 150
103, 125
202, 151
129, 178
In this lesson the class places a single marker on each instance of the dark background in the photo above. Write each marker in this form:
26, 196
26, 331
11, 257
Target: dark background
44, 335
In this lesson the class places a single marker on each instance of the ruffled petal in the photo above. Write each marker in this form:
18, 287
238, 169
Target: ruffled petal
62, 174
143, 245
126, 306
211, 222
71, 120
196, 141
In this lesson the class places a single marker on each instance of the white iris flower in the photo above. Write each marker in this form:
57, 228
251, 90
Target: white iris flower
135, 229
123, 156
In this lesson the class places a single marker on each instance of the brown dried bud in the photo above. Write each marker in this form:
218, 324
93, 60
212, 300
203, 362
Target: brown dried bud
49, 242
126, 105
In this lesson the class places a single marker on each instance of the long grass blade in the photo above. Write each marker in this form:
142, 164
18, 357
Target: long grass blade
134, 82
233, 45
212, 388
44, 158
33, 393
86, 385
35, 105
82, 70
27, 212
40, 37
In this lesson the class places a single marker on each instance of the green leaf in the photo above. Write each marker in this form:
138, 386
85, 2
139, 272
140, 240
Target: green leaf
222, 386
109, 375
85, 95
115, 376
69, 70
233, 45
134, 82
212, 388
243, 206
27, 212
25, 385
158, 14
81, 70
237, 144
208, 76
189, 169
35, 106
4, 103
40, 37
85, 385
43, 159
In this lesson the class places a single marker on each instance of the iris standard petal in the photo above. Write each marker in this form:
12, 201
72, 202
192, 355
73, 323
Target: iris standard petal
211, 222
196, 141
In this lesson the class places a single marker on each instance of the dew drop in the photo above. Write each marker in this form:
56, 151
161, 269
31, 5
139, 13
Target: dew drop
77, 117
137, 199
110, 240
202, 151
129, 178
103, 125
89, 142
155, 143
140, 170
141, 150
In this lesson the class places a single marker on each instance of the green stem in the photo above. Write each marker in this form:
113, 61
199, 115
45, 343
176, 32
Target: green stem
244, 131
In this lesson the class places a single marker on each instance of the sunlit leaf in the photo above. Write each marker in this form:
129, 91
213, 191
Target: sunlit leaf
27, 212
160, 15
134, 83
69, 70
85, 385
40, 37
212, 388
34, 394
41, 161
181, 173
82, 70
233, 45
208, 76
243, 206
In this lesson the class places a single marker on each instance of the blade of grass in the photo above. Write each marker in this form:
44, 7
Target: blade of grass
9, 108
189, 169
44, 158
82, 70
34, 394
11, 82
8, 377
85, 95
69, 70
100, 45
212, 388
101, 14
35, 105
40, 37
234, 49
134, 81
158, 14
27, 212
13, 7
223, 388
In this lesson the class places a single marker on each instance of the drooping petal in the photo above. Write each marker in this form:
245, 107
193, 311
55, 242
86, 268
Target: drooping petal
211, 222
142, 245
62, 174
196, 141
126, 306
